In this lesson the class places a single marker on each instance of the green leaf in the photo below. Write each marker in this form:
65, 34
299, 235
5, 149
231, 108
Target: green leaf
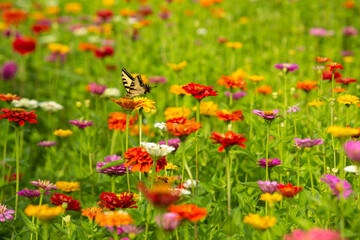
27, 221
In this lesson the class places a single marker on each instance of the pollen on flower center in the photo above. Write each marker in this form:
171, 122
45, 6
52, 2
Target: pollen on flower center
18, 110
268, 113
339, 187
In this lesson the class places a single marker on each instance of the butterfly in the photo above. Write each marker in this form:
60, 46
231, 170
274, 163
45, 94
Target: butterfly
134, 86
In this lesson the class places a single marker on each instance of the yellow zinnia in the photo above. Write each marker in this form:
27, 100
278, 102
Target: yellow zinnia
108, 3
63, 133
171, 166
256, 78
260, 223
147, 104
316, 103
178, 90
52, 10
234, 45
337, 131
207, 108
177, 67
68, 186
58, 48
43, 212
271, 198
348, 99
73, 7
176, 112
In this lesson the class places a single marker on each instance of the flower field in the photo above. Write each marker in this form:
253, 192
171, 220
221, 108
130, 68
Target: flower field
179, 119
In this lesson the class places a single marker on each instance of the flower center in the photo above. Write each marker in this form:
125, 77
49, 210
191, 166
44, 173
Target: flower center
18, 110
339, 187
268, 113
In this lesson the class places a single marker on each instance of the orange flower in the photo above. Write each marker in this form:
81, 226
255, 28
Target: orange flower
218, 12
13, 16
307, 85
264, 90
339, 90
322, 59
182, 126
113, 218
5, 5
91, 212
176, 112
349, 4
161, 195
87, 47
231, 81
127, 12
134, 131
8, 97
117, 120
141, 161
189, 211
129, 104
226, 115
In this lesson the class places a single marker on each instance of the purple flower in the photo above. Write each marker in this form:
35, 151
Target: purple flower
44, 184
8, 70
97, 88
271, 162
5, 214
81, 123
352, 150
350, 31
290, 67
307, 142
237, 95
267, 186
267, 115
164, 15
130, 229
168, 221
347, 53
117, 170
173, 142
157, 79
46, 143
31, 193
320, 32
340, 188
294, 108
54, 57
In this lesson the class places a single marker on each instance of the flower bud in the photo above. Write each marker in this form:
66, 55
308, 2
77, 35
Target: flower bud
67, 220
87, 103
64, 205
78, 104
334, 170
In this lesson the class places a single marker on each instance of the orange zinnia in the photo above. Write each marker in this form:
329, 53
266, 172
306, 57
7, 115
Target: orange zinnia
264, 90
322, 59
14, 16
91, 212
129, 104
189, 211
232, 82
117, 120
5, 5
87, 47
233, 116
113, 218
140, 160
339, 90
8, 97
182, 127
307, 85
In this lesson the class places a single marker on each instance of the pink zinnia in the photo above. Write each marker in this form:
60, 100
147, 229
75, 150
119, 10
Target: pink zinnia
5, 214
313, 234
339, 187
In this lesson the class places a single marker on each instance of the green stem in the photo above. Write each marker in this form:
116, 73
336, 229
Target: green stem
113, 179
186, 226
149, 205
182, 144
197, 142
310, 172
228, 180
298, 168
113, 140
4, 160
347, 116
17, 146
46, 231
37, 220
333, 84
267, 150
127, 146
140, 126
285, 97
81, 153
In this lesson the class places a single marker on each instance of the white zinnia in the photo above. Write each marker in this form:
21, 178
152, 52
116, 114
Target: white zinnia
157, 151
51, 106
352, 169
111, 92
188, 183
25, 103
162, 126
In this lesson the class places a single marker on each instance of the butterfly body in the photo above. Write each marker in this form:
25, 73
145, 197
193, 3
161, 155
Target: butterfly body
134, 86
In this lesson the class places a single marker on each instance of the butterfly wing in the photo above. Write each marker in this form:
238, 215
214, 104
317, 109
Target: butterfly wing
134, 86
127, 80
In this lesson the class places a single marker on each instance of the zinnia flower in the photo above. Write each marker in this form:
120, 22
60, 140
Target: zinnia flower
264, 90
117, 120
255, 78
168, 221
118, 170
334, 65
113, 218
46, 143
182, 127
31, 193
44, 184
5, 213
314, 234
173, 142
271, 162
96, 89
345, 81
59, 199
348, 99
51, 106
233, 116
24, 45
307, 142
13, 16
19, 115
68, 186
232, 82
139, 160
288, 190
8, 71
307, 86
178, 90
258, 222
287, 67
157, 151
294, 108
25, 103
177, 112
103, 52
322, 59
337, 131
267, 115
199, 91
8, 97
112, 201
340, 188
82, 124
352, 150
267, 186
43, 212
228, 140
62, 133
236, 95
327, 75
130, 104
190, 212
91, 212
271, 198
177, 67
161, 195
207, 108
147, 104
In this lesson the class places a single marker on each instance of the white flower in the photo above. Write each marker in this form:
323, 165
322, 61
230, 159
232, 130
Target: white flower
25, 103
47, 39
93, 39
157, 151
162, 126
188, 183
352, 169
182, 191
201, 31
80, 31
51, 106
111, 92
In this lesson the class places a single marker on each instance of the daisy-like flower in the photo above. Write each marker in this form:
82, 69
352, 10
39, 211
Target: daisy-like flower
199, 91
113, 218
166, 179
267, 115
352, 150
132, 230
25, 103
173, 142
118, 170
232, 82
140, 160
168, 221
182, 127
68, 186
288, 190
147, 104
82, 124
24, 45
51, 106
353, 169
59, 199
91, 212
157, 151
267, 186
161, 126
31, 193
130, 104
339, 187
19, 115
43, 212
228, 140
307, 142
258, 222
316, 103
177, 67
228, 116
307, 86
339, 90
178, 90
337, 131
322, 59
348, 99
117, 121
157, 79
8, 97
287, 67
161, 195
256, 78
314, 234
207, 108
294, 108
320, 32
333, 66
5, 213
62, 133
176, 112
265, 90
327, 75
111, 92
104, 51
96, 89
234, 45
271, 162
8, 70
46, 143
271, 198
112, 200
44, 184
189, 212
13, 16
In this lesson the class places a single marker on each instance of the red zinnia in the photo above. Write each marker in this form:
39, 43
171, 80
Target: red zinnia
346, 80
334, 65
105, 51
8, 97
13, 16
105, 14
322, 59
112, 201
189, 211
199, 91
228, 139
58, 199
141, 161
24, 45
327, 75
288, 190
39, 28
19, 115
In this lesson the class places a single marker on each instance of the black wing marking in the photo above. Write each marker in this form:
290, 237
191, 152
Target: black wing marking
127, 80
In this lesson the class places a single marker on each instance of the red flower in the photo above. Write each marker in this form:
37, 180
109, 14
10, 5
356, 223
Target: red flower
105, 14
190, 212
12, 177
112, 201
182, 127
288, 190
322, 59
58, 199
105, 51
14, 16
228, 139
161, 195
346, 80
141, 161
24, 45
19, 115
327, 75
199, 91
334, 65
39, 28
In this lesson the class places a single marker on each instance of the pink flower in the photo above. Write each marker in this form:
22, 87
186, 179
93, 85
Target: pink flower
267, 115
267, 186
313, 234
339, 187
5, 214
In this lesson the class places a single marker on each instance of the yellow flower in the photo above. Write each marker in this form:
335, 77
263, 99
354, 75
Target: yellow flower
348, 59
147, 104
166, 179
260, 223
271, 198
37, 16
63, 133
176, 112
234, 45
107, 29
73, 7
52, 10
256, 78
108, 3
239, 73
58, 48
2, 26
94, 29
43, 212
207, 108
177, 89
244, 20
316, 103
177, 67
337, 131
113, 218
134, 130
348, 99
79, 71
68, 186
171, 166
